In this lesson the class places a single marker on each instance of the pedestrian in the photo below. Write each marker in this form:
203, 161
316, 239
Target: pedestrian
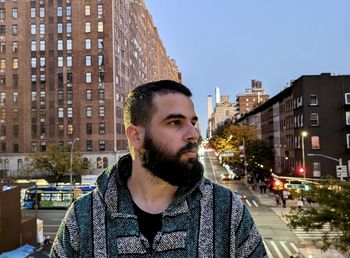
278, 199
155, 201
300, 203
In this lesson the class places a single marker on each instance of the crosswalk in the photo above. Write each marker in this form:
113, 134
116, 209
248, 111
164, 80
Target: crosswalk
280, 249
251, 203
314, 234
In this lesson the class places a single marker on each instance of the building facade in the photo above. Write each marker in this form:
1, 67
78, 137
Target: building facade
308, 123
65, 70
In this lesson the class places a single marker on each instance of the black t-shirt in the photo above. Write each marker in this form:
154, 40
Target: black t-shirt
149, 224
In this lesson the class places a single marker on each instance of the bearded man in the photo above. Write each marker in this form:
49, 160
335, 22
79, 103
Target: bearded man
155, 202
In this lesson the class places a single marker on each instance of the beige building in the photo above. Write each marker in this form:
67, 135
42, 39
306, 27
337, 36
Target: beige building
65, 70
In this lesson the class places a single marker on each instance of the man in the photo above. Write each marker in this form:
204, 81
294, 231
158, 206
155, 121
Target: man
155, 202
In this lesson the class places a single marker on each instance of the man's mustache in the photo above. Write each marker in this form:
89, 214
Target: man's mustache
188, 147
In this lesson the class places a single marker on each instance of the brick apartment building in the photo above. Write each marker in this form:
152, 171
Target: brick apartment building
318, 105
65, 70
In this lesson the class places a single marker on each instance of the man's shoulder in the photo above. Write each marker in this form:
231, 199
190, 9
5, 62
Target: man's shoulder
219, 190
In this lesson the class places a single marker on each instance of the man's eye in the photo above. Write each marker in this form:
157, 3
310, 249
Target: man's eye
174, 122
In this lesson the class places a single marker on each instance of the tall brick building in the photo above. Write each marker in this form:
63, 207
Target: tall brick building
65, 69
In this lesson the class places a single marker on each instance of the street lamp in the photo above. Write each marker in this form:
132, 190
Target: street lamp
328, 157
303, 135
71, 162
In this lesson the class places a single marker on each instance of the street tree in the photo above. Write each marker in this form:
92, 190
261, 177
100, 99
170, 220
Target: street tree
332, 199
56, 161
260, 157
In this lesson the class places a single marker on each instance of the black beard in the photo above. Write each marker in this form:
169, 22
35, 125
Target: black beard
169, 167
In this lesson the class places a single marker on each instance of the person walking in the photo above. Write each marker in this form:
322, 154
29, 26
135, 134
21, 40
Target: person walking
155, 201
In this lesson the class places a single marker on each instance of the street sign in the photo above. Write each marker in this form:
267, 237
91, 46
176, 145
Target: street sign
227, 154
297, 186
342, 171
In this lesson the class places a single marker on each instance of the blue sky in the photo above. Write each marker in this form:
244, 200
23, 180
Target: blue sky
228, 43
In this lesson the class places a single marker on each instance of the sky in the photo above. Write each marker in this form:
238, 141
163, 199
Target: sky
227, 43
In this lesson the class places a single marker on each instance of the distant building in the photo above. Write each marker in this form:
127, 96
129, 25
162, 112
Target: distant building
217, 95
252, 97
65, 71
318, 105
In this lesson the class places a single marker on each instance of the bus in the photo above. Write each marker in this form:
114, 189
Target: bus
53, 197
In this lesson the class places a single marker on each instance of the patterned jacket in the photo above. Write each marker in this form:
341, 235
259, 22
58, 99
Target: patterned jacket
205, 220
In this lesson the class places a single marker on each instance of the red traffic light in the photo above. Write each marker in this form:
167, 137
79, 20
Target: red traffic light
300, 170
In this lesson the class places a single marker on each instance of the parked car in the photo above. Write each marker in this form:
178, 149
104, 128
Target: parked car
241, 195
230, 176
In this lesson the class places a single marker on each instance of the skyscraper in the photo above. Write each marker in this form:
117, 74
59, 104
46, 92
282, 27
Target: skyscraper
65, 70
210, 106
217, 95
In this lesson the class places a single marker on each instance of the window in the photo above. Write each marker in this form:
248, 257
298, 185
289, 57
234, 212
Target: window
33, 45
14, 47
2, 14
42, 61
69, 44
101, 111
313, 100
15, 96
101, 94
87, 60
32, 12
69, 129
88, 77
101, 77
60, 112
87, 10
315, 142
42, 12
33, 147
15, 114
68, 10
89, 128
314, 119
3, 63
99, 162
60, 95
42, 146
2, 30
42, 28
60, 44
102, 145
14, 13
42, 45
15, 131
100, 60
99, 9
59, 11
69, 27
88, 94
3, 80
89, 145
14, 29
348, 141
60, 61
88, 111
15, 147
2, 97
101, 128
15, 63
2, 47
347, 118
347, 98
59, 28
69, 61
100, 26
15, 81
100, 43
33, 29
105, 162
87, 27
69, 95
87, 43
69, 112
33, 62
316, 168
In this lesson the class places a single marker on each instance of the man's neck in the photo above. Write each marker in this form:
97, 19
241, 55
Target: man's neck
151, 194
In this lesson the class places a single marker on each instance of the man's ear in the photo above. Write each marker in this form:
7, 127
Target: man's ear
135, 135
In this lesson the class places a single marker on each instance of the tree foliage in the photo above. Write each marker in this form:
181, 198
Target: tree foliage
260, 156
332, 207
56, 160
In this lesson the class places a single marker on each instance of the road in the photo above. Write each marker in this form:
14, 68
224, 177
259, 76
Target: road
279, 240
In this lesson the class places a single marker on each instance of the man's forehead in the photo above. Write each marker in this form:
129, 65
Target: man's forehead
174, 104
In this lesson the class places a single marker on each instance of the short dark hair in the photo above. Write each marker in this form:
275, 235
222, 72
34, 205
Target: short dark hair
138, 106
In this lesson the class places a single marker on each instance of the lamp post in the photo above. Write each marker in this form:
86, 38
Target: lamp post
328, 157
303, 135
71, 162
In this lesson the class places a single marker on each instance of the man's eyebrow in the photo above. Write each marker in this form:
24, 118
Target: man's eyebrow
179, 116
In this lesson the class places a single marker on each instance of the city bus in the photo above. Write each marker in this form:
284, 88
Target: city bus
53, 197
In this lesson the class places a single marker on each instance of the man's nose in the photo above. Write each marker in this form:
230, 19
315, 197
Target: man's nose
192, 134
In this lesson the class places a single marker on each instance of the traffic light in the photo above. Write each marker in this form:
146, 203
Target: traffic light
300, 170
